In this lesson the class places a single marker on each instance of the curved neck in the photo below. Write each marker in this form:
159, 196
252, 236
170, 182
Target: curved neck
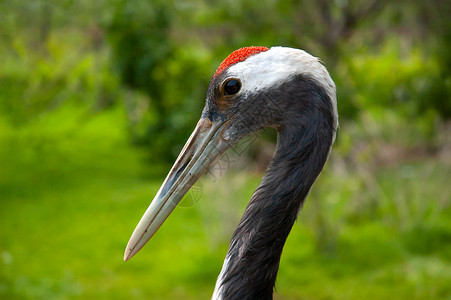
303, 146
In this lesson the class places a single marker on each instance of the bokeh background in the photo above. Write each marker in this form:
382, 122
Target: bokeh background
98, 97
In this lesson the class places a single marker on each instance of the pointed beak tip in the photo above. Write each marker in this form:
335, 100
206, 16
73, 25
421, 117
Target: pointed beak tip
128, 254
129, 250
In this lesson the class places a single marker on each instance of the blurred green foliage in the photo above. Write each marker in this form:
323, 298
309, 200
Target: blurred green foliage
156, 57
83, 82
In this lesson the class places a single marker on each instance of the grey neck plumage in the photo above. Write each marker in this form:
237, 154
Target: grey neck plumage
305, 136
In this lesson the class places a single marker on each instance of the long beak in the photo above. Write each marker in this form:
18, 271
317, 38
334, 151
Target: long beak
205, 144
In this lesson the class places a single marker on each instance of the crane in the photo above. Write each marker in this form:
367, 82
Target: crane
256, 87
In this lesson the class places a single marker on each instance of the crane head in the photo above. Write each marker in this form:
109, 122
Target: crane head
252, 88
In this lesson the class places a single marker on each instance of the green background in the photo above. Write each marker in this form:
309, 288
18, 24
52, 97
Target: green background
98, 97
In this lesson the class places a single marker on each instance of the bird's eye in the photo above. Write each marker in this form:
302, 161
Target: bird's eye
231, 87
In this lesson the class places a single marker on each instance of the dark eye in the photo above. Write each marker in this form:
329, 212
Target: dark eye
231, 87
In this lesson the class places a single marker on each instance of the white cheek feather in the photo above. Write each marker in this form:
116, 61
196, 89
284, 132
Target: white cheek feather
279, 64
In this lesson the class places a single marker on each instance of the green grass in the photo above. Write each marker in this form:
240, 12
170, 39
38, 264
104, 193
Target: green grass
72, 190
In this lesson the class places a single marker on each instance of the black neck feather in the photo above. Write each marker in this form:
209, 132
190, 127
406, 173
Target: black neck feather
305, 136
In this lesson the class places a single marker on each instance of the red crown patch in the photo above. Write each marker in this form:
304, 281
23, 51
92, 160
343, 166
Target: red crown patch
237, 56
